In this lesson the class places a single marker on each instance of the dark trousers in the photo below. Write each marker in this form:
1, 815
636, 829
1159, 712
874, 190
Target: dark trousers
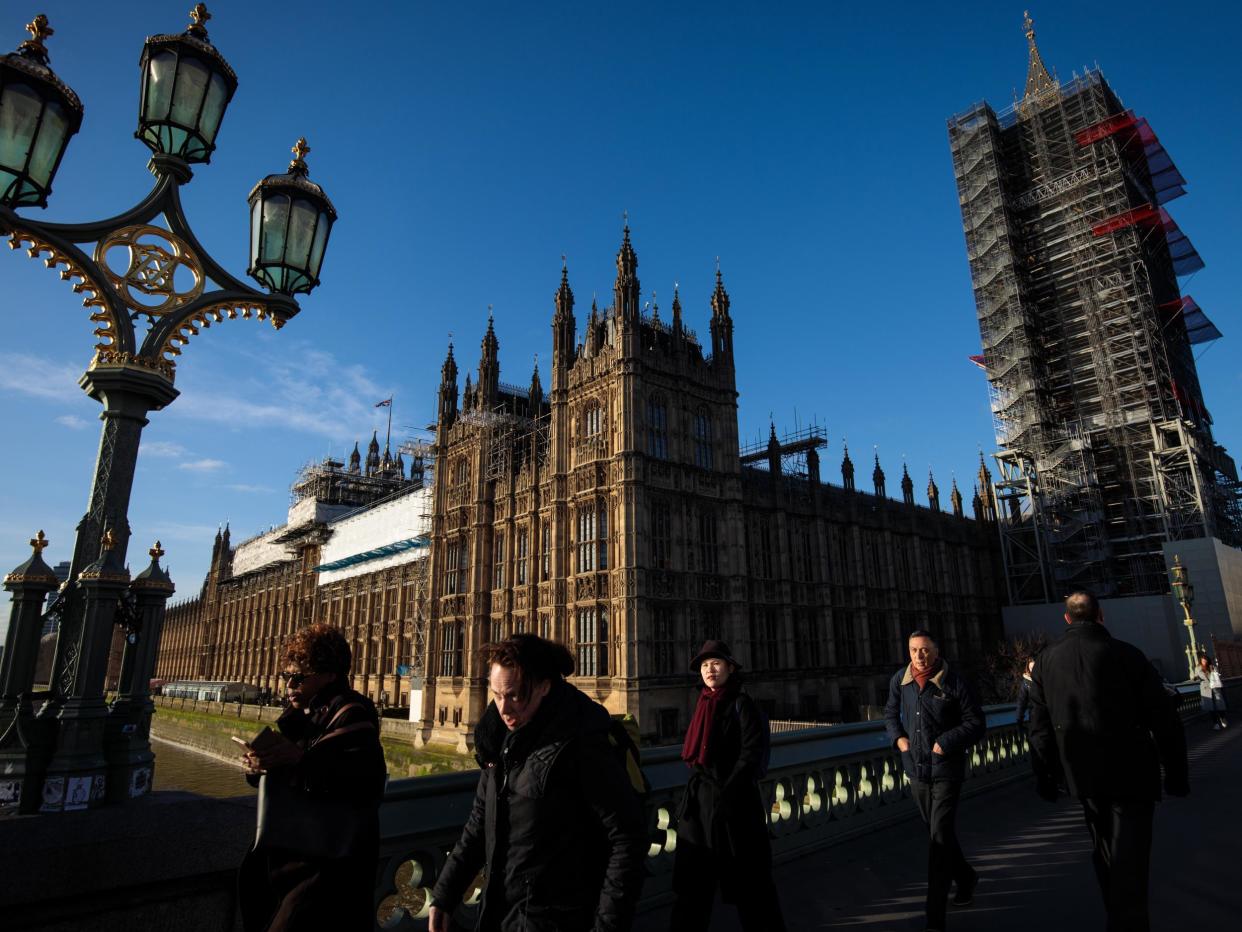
937, 802
1121, 853
697, 870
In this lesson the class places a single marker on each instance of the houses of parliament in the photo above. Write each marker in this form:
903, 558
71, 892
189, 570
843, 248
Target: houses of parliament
614, 511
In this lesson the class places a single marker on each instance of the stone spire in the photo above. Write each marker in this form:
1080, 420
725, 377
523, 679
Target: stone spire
774, 451
847, 468
536, 390
955, 499
1037, 78
564, 327
677, 324
355, 460
448, 390
722, 323
877, 477
907, 485
373, 454
626, 294
489, 366
933, 491
976, 505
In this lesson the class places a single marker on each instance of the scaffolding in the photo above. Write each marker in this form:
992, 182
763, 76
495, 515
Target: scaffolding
1105, 444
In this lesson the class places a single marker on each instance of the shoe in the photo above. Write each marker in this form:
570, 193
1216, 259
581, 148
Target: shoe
965, 893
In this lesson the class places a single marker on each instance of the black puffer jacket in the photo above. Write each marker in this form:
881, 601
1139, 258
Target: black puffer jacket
556, 825
946, 712
1101, 720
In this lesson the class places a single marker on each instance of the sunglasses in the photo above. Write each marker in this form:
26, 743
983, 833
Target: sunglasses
295, 679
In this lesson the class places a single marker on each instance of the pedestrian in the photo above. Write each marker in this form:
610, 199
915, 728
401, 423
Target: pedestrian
1024, 695
933, 718
1211, 692
556, 825
320, 779
722, 823
1102, 724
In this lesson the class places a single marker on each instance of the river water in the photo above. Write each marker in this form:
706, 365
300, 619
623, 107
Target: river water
179, 769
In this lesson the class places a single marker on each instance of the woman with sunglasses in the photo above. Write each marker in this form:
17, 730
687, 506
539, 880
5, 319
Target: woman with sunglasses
320, 785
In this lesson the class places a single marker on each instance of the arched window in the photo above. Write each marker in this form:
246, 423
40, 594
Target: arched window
592, 536
703, 439
657, 427
461, 471
591, 419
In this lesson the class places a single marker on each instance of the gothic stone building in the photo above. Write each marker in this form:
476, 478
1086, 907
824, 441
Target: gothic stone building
352, 554
616, 513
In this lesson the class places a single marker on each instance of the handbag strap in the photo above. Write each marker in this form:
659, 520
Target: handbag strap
332, 732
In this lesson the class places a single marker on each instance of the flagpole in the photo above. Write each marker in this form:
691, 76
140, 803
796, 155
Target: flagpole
388, 436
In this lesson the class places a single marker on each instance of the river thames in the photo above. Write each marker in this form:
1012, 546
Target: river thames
179, 769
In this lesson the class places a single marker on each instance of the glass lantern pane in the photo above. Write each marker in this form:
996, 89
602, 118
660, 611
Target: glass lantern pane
49, 144
301, 233
256, 224
275, 222
161, 70
192, 77
213, 109
321, 241
19, 115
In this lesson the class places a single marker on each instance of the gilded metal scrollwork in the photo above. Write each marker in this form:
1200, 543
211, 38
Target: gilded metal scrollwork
156, 256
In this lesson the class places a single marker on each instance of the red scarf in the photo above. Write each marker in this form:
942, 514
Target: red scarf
922, 678
697, 747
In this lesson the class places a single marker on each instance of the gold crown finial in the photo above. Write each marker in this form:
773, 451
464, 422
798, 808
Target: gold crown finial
39, 30
39, 542
109, 540
1028, 26
199, 16
156, 552
299, 150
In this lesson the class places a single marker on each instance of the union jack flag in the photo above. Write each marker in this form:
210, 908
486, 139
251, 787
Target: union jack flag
386, 403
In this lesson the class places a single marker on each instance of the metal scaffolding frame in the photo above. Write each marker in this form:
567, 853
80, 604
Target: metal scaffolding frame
1105, 444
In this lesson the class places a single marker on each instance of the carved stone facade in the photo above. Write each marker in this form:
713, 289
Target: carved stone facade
358, 569
617, 515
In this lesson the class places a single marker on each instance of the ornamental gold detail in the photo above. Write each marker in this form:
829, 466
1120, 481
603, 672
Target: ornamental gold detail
152, 270
109, 357
80, 281
213, 313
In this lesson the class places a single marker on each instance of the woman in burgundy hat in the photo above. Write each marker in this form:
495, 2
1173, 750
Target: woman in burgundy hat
722, 824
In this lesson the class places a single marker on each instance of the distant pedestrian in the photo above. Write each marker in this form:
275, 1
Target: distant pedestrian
1211, 692
320, 783
933, 718
556, 826
722, 826
1024, 695
1102, 724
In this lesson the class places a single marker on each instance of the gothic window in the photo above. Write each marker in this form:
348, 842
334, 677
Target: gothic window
806, 638
495, 632
661, 535
846, 639
804, 563
765, 547
452, 643
710, 626
545, 549
707, 540
461, 471
664, 653
457, 565
586, 538
498, 561
657, 427
545, 626
591, 419
765, 648
703, 439
601, 535
522, 555
592, 642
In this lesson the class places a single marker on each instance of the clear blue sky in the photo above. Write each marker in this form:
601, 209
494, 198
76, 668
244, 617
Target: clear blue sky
467, 146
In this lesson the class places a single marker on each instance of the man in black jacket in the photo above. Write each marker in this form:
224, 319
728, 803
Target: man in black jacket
1102, 724
556, 825
933, 718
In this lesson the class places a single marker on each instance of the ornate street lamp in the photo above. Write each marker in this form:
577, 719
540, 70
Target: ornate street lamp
1184, 595
143, 266
38, 114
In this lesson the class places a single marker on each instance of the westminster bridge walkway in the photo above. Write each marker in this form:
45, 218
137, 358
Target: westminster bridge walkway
850, 850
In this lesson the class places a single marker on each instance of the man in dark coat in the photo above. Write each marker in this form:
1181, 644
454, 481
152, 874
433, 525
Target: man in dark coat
1102, 724
933, 718
556, 825
313, 863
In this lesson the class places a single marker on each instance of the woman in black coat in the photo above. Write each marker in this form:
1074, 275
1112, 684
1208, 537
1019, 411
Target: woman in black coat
722, 825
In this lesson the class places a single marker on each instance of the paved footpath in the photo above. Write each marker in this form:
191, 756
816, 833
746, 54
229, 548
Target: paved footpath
1034, 862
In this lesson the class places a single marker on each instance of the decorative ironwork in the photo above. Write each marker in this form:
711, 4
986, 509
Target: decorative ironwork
202, 319
39, 543
73, 272
152, 269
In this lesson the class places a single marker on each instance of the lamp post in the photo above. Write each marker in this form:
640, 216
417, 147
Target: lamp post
142, 266
1184, 594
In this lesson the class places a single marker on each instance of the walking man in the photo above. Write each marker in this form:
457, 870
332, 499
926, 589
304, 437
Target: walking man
933, 718
1102, 725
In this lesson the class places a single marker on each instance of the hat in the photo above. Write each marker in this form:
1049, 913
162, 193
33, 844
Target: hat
713, 648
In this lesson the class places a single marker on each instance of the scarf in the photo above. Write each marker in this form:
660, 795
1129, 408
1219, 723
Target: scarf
697, 747
922, 678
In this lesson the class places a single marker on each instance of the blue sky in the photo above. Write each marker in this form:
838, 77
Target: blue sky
467, 146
